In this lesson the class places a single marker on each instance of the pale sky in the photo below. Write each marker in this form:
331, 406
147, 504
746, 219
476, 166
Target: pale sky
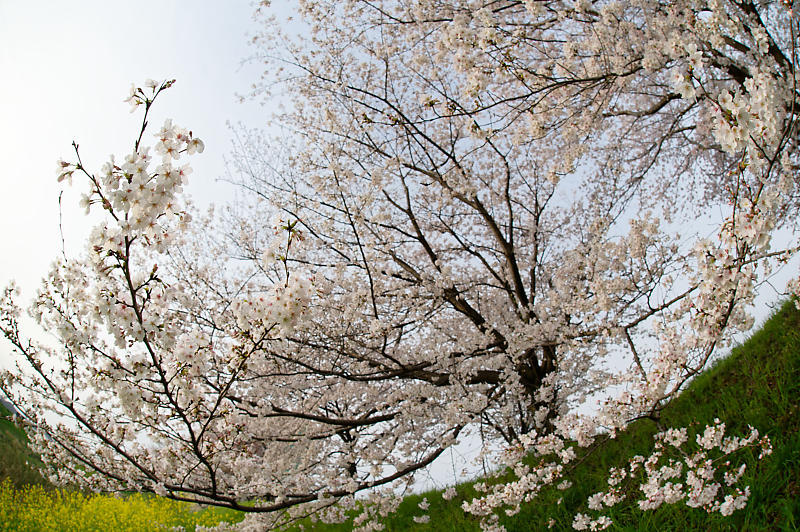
65, 69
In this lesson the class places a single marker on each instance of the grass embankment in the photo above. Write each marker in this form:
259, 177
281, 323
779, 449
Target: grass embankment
17, 462
758, 385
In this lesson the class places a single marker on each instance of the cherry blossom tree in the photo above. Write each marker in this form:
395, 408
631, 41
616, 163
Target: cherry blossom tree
481, 215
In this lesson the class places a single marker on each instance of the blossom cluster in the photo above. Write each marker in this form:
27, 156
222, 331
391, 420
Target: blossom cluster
701, 478
281, 307
134, 194
708, 477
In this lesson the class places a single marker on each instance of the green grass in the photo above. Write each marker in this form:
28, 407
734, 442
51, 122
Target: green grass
758, 385
17, 463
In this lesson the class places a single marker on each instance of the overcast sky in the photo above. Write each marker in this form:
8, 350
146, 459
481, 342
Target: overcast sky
67, 66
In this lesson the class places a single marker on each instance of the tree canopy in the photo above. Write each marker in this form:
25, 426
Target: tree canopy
482, 215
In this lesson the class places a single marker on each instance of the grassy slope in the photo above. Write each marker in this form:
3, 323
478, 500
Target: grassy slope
17, 462
758, 385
